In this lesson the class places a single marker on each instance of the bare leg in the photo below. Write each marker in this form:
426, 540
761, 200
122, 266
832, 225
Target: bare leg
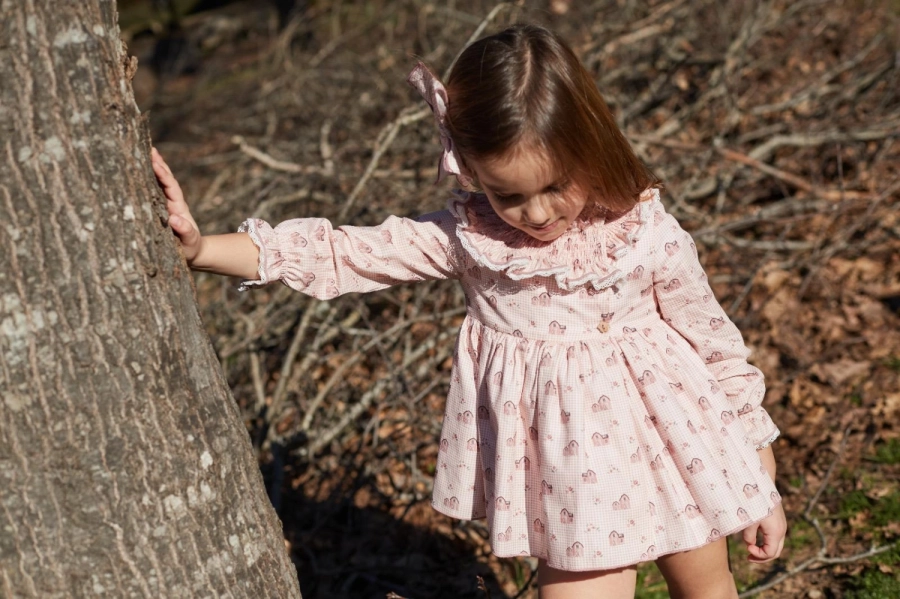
595, 584
701, 573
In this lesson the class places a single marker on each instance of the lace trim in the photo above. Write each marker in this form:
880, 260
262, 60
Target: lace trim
249, 226
585, 253
769, 441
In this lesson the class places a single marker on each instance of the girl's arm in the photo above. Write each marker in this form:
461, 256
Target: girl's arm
686, 302
311, 256
322, 261
690, 307
233, 254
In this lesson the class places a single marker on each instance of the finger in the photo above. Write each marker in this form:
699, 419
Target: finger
160, 168
170, 186
749, 534
157, 159
185, 229
770, 549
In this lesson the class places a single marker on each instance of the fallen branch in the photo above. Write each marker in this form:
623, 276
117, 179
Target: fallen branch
790, 178
280, 165
807, 140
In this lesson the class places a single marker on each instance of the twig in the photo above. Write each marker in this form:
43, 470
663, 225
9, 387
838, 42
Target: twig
817, 559
290, 374
358, 355
325, 146
258, 388
821, 87
750, 160
288, 362
214, 187
789, 245
358, 408
408, 115
255, 369
806, 140
842, 240
280, 165
527, 584
807, 513
477, 33
483, 587
752, 278
828, 194
636, 31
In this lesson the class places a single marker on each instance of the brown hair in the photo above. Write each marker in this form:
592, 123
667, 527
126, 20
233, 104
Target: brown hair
524, 87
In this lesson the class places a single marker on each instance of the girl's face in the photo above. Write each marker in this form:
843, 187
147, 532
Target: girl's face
529, 195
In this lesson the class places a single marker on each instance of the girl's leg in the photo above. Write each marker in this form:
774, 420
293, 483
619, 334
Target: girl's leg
596, 584
701, 573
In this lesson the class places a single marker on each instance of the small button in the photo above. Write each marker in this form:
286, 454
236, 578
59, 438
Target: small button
603, 327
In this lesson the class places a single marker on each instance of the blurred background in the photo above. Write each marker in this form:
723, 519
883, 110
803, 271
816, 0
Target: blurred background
774, 125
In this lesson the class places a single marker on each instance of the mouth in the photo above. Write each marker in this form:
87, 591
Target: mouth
548, 228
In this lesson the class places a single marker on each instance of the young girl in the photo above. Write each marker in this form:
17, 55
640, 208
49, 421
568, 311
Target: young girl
601, 411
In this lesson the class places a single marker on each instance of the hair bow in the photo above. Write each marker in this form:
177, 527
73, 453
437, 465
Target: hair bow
435, 94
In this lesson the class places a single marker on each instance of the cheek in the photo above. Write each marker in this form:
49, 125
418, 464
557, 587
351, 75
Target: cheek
576, 202
506, 213
509, 215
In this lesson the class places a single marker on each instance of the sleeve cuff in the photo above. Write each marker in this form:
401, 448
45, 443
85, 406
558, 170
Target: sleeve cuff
769, 440
263, 236
758, 426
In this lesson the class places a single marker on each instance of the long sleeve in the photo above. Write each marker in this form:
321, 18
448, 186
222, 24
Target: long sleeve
311, 256
686, 302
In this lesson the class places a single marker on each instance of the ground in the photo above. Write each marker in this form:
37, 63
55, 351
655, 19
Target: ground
774, 126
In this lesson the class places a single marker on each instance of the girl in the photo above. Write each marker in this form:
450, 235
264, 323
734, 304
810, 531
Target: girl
601, 411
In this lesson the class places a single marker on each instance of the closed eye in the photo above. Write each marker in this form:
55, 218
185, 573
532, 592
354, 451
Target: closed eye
507, 199
559, 187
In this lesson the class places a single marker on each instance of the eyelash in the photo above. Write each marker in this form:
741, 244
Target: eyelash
502, 198
554, 189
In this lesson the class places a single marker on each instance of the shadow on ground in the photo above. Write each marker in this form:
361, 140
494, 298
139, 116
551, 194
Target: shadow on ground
345, 551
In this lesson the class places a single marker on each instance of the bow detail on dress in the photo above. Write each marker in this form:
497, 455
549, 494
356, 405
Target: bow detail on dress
424, 81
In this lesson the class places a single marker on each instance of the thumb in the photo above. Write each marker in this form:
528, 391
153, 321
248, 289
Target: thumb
184, 228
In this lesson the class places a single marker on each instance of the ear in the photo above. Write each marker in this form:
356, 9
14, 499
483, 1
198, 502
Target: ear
471, 182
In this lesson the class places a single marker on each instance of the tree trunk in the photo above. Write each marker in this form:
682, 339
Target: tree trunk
125, 470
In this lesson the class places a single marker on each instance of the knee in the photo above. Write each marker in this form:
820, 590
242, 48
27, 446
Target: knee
720, 587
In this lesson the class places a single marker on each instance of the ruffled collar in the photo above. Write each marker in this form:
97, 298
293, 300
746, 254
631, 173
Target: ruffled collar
586, 253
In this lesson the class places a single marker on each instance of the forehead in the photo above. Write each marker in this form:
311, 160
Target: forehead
526, 170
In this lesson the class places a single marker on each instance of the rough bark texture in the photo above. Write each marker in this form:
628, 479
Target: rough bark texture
125, 470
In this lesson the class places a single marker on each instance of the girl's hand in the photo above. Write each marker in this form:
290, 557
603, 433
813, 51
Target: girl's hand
180, 218
773, 530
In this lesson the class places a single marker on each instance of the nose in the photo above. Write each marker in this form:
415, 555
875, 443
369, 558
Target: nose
536, 214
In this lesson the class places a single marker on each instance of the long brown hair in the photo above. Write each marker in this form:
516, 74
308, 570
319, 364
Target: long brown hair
525, 88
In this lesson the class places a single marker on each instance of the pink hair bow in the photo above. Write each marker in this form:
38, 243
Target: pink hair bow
436, 95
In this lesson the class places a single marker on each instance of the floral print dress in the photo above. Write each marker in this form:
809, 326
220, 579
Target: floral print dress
601, 411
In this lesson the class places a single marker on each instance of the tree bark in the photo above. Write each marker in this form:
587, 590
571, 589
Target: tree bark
125, 469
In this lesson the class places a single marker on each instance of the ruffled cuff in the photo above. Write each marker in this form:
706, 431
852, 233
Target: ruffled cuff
760, 429
264, 237
768, 441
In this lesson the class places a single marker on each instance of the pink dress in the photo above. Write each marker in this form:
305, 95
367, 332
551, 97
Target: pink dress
601, 410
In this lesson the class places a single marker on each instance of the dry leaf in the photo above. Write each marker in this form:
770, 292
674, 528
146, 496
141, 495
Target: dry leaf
837, 373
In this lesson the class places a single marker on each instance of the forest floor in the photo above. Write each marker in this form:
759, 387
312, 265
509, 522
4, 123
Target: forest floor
774, 125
